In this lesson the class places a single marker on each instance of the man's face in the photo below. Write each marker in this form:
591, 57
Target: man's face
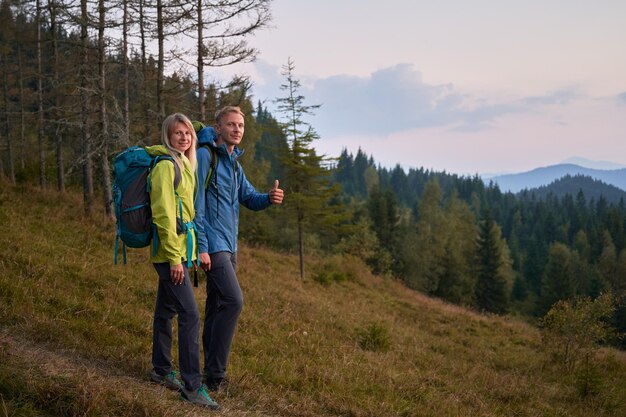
230, 129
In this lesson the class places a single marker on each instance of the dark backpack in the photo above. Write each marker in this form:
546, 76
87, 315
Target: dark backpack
131, 198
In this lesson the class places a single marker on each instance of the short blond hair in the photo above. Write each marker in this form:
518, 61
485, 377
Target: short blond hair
228, 109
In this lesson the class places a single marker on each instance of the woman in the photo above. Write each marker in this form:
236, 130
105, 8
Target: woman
172, 214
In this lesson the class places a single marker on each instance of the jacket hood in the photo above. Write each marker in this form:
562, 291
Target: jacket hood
207, 135
157, 150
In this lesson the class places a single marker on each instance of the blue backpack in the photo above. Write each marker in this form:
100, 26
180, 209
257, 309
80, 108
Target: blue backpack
131, 198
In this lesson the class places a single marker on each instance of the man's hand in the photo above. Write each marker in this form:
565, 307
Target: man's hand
205, 261
276, 194
177, 274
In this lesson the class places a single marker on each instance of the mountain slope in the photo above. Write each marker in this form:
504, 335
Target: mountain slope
545, 175
75, 334
591, 189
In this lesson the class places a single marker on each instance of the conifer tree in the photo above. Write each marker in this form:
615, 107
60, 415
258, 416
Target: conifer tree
492, 288
559, 280
430, 249
307, 182
385, 222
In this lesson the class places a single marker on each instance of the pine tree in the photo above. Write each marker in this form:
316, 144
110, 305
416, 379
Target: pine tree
309, 193
492, 289
384, 220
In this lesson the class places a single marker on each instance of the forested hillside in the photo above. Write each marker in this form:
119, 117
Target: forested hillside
572, 185
82, 81
75, 336
550, 245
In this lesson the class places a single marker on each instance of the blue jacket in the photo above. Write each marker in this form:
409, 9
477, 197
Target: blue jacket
217, 206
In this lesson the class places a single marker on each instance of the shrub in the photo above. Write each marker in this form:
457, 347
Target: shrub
336, 269
574, 328
572, 331
375, 337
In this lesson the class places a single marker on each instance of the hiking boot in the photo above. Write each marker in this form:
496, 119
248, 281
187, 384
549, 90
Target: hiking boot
217, 384
170, 380
199, 397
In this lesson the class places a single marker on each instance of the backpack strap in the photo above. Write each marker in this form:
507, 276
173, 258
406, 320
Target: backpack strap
117, 246
213, 166
177, 180
177, 173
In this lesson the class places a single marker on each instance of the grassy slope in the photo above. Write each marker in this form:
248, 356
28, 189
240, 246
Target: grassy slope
75, 337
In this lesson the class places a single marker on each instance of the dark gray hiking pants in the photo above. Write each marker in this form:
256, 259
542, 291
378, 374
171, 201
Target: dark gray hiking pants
171, 300
224, 302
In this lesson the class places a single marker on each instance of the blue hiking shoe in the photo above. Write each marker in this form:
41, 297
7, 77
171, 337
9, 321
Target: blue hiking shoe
199, 397
170, 380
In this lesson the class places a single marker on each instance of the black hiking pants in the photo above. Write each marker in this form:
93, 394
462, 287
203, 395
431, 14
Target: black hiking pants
224, 302
172, 300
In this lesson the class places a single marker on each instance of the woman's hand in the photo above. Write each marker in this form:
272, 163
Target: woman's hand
177, 274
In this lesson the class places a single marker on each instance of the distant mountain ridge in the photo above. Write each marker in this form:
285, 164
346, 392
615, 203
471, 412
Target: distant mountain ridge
544, 176
588, 163
591, 189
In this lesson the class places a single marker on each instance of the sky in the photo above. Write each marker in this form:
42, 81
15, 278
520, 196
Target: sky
463, 86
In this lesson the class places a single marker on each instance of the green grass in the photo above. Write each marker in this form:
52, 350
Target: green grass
75, 336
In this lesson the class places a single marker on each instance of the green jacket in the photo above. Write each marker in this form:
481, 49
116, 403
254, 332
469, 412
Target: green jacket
172, 247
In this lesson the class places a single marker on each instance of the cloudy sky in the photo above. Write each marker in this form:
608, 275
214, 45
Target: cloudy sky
465, 86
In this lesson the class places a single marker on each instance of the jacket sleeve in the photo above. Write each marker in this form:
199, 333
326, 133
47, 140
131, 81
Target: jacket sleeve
163, 204
200, 204
249, 197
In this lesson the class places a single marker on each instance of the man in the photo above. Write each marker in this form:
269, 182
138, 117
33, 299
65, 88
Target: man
222, 187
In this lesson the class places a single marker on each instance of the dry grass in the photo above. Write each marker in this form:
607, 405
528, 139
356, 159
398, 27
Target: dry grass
75, 334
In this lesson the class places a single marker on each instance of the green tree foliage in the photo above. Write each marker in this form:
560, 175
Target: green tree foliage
458, 281
313, 201
572, 332
430, 245
493, 268
271, 145
385, 222
438, 251
559, 282
607, 264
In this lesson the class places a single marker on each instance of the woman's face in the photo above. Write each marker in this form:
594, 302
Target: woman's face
181, 137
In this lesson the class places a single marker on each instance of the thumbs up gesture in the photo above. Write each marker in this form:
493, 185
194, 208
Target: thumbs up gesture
276, 194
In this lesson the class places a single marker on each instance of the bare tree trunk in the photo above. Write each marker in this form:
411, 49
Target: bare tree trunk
41, 132
147, 122
301, 245
106, 174
22, 141
160, 63
220, 35
52, 9
7, 124
84, 100
125, 75
201, 91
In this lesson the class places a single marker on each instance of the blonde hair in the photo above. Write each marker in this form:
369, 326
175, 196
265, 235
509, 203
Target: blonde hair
168, 124
228, 109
